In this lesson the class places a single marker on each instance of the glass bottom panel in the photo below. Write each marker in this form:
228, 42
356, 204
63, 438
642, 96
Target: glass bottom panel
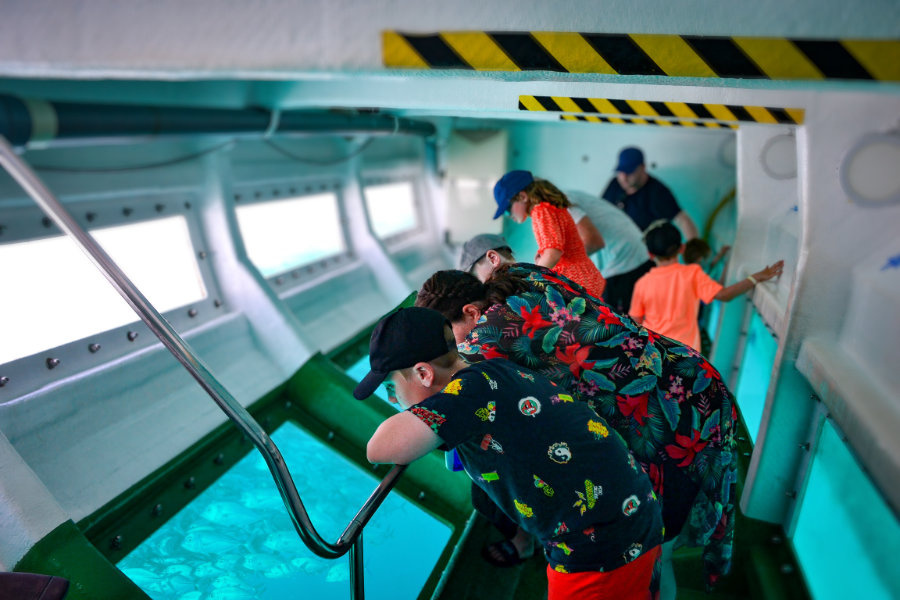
360, 370
235, 541
711, 318
755, 373
847, 539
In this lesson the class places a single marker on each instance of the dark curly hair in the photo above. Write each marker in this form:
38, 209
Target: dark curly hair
663, 239
448, 291
695, 250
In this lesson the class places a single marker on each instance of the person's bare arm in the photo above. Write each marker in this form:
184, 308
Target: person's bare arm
719, 256
401, 439
745, 285
548, 258
684, 222
590, 235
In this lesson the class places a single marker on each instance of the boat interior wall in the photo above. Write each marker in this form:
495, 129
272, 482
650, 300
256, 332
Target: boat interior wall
419, 250
324, 318
133, 396
472, 160
839, 240
84, 422
243, 287
135, 413
309, 35
334, 298
21, 487
768, 213
871, 342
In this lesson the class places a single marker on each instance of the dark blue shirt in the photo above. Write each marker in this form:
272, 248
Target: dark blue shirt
553, 466
651, 202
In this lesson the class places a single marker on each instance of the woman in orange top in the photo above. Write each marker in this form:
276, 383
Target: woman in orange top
560, 247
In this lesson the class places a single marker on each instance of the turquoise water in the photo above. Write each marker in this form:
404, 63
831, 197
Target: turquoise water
846, 538
711, 318
359, 370
755, 374
235, 541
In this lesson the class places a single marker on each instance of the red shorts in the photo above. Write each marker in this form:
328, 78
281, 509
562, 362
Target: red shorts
628, 582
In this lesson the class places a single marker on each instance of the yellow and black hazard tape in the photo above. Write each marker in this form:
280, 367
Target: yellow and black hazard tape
640, 54
678, 111
641, 121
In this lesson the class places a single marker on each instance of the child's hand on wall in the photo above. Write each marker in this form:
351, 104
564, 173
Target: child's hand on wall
769, 272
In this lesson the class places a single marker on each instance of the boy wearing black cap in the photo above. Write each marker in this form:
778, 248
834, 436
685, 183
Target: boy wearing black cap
550, 463
667, 298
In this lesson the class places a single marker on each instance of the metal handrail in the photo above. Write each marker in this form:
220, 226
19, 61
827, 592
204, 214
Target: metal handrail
31, 183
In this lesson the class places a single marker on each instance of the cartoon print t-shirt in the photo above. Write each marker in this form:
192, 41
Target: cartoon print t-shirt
550, 463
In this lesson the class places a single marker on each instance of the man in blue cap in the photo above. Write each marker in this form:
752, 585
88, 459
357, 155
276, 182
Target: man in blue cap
643, 197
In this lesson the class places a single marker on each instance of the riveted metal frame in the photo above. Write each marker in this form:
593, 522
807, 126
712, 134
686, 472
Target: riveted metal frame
27, 222
300, 275
400, 240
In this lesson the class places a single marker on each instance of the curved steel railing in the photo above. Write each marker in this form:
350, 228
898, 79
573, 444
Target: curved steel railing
349, 539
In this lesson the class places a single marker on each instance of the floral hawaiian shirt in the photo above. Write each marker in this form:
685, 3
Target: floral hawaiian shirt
666, 400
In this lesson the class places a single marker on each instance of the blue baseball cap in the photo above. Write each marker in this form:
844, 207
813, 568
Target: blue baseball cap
629, 160
509, 185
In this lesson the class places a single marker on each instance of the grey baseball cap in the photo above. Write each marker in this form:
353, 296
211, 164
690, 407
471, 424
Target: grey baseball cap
477, 247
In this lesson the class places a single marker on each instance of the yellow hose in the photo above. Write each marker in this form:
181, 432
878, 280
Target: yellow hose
707, 227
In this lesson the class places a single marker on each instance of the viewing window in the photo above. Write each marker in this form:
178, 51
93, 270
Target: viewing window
53, 294
284, 234
841, 516
755, 374
465, 183
391, 207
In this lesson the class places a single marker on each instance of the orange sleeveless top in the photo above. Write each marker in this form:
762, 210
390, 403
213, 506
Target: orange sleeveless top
554, 228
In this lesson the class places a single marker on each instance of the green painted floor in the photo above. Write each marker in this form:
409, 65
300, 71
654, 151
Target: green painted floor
760, 571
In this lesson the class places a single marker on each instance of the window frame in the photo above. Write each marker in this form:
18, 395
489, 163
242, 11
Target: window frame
26, 222
287, 281
399, 239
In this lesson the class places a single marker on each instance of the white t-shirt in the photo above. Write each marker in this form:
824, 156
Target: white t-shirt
625, 249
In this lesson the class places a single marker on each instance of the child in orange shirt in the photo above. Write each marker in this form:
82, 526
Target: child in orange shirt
666, 299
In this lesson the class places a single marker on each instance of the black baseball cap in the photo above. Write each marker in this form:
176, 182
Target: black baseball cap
400, 340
